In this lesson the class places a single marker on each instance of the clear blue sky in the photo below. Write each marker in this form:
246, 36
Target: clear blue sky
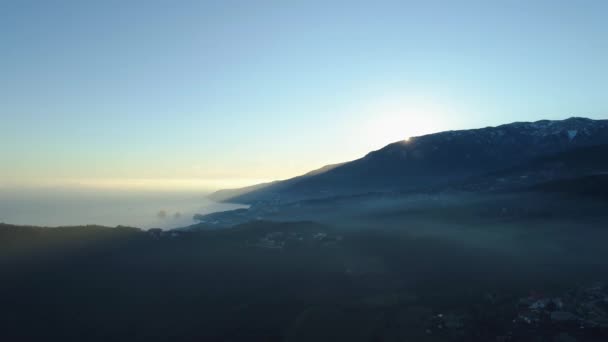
216, 93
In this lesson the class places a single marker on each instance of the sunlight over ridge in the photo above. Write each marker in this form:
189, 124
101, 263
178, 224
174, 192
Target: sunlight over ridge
399, 118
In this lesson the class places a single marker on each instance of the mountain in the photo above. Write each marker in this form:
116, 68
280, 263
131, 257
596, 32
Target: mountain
228, 194
579, 163
274, 187
435, 160
591, 185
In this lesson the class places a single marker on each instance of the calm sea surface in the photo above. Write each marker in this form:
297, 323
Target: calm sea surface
144, 209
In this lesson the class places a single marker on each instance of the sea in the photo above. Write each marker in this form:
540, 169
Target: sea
142, 209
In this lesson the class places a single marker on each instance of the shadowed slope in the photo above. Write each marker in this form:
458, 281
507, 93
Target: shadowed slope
436, 159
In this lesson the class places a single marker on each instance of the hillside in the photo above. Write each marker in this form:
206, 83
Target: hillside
434, 160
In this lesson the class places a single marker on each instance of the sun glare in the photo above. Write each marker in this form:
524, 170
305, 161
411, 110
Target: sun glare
402, 119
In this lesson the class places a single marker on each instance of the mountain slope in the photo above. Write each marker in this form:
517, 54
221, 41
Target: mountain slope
576, 163
436, 159
271, 187
592, 185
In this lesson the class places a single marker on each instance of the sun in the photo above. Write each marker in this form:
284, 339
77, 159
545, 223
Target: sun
400, 120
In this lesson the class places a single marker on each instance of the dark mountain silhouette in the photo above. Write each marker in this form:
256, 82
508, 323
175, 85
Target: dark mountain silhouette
595, 186
275, 187
433, 160
579, 163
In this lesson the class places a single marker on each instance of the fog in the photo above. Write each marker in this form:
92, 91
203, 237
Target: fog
108, 207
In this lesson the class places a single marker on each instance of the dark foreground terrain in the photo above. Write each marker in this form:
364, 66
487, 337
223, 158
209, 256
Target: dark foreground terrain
515, 267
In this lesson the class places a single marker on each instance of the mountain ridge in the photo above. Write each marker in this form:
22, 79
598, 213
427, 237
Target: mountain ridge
434, 159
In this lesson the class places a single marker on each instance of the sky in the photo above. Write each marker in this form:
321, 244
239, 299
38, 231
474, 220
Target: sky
213, 94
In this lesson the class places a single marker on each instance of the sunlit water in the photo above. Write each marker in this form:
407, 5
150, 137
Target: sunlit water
109, 208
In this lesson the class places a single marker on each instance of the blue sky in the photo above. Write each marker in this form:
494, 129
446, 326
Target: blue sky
221, 93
